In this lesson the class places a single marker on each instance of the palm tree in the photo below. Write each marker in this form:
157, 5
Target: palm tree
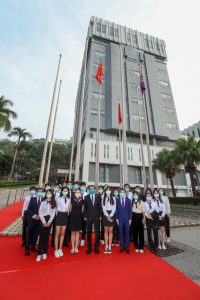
6, 113
166, 163
188, 154
21, 135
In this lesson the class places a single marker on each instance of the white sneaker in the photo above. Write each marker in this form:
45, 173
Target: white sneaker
102, 242
136, 250
168, 240
44, 256
82, 243
60, 252
159, 247
56, 253
38, 258
163, 246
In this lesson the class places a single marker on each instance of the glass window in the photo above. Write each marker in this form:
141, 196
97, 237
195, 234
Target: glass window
107, 151
111, 30
146, 43
134, 40
103, 28
94, 112
116, 33
138, 176
165, 96
96, 96
103, 173
128, 153
117, 154
169, 110
171, 125
151, 45
128, 37
136, 117
134, 100
98, 27
131, 153
92, 149
157, 46
163, 83
99, 53
139, 155
104, 151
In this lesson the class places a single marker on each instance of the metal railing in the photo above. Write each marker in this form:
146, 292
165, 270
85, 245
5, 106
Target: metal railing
11, 196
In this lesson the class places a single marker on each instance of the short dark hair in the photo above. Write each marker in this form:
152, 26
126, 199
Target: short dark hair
127, 184
32, 188
83, 183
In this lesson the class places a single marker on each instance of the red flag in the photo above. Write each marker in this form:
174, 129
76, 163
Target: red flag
100, 73
119, 114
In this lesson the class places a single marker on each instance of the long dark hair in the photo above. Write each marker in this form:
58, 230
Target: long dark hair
52, 201
112, 202
139, 200
61, 194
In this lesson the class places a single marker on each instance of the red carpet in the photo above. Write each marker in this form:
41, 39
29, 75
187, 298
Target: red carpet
10, 214
116, 276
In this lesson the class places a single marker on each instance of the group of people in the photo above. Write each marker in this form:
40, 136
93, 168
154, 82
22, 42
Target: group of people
74, 211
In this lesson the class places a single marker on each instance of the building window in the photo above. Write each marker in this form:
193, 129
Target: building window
163, 83
139, 155
157, 47
92, 146
146, 43
136, 117
103, 173
96, 96
128, 37
104, 151
171, 125
111, 30
98, 27
134, 40
151, 45
117, 153
128, 153
169, 110
94, 112
134, 100
162, 71
95, 150
104, 29
138, 176
166, 96
107, 151
99, 53
131, 153
116, 33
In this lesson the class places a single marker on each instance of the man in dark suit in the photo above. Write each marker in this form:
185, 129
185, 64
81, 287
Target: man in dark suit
92, 215
123, 219
33, 222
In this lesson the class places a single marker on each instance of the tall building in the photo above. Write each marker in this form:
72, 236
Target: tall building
193, 130
110, 43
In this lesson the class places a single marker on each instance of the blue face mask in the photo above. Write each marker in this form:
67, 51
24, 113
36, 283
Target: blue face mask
32, 193
92, 191
122, 195
161, 193
40, 194
82, 189
135, 197
127, 189
65, 193
100, 191
149, 198
69, 187
56, 190
75, 186
156, 195
116, 194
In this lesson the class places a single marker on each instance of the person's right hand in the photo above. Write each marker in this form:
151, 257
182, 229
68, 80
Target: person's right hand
85, 219
117, 222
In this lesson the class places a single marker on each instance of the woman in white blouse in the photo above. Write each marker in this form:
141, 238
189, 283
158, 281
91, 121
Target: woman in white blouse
63, 208
109, 209
47, 212
161, 208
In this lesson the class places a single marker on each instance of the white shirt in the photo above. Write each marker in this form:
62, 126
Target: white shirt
26, 203
161, 207
109, 206
129, 195
150, 206
138, 207
84, 194
62, 206
165, 200
46, 210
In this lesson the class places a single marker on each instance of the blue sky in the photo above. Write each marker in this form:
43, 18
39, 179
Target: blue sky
34, 33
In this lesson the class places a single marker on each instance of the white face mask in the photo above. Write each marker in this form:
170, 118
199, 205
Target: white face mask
77, 195
108, 193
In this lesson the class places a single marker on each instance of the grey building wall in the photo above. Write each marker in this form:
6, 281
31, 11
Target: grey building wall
193, 130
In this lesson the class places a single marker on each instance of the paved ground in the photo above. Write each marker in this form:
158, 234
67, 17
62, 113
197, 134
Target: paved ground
10, 196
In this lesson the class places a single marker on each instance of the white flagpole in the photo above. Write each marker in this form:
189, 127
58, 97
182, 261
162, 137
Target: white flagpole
52, 136
141, 140
98, 138
49, 127
120, 157
125, 175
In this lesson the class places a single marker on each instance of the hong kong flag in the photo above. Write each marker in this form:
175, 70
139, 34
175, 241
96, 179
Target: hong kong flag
119, 113
100, 73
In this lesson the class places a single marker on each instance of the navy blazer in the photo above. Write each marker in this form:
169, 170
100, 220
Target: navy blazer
91, 212
123, 213
33, 207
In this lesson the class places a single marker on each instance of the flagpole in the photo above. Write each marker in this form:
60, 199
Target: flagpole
141, 140
120, 157
97, 138
125, 175
71, 158
49, 127
52, 136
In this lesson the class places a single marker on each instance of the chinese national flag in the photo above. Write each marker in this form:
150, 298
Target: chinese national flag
100, 73
119, 114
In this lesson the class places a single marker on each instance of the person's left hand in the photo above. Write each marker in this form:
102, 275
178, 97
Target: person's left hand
129, 222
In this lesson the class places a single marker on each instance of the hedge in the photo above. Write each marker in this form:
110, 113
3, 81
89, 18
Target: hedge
13, 184
185, 200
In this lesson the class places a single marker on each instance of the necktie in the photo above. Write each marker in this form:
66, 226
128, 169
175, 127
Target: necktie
158, 203
149, 205
123, 204
39, 202
136, 204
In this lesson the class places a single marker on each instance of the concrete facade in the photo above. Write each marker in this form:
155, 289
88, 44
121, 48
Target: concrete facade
193, 130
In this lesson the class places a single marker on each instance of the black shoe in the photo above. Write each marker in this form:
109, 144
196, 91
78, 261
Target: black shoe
27, 252
88, 252
33, 249
121, 250
117, 244
109, 251
23, 244
127, 251
105, 250
96, 251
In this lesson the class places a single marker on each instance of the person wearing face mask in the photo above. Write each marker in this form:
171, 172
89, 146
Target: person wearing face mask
56, 191
129, 194
138, 220
77, 206
124, 219
61, 220
161, 207
46, 213
152, 221
83, 227
68, 231
138, 190
166, 202
24, 215
109, 209
92, 215
75, 186
115, 241
101, 191
47, 186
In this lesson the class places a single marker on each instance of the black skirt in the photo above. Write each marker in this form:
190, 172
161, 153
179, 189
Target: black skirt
107, 223
61, 219
162, 222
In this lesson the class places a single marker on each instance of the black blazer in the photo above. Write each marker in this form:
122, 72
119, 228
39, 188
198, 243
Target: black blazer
92, 213
33, 207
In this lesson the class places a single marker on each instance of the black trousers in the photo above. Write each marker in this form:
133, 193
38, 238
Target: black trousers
138, 230
152, 227
24, 226
89, 233
101, 236
167, 226
53, 232
44, 237
32, 232
83, 228
115, 233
